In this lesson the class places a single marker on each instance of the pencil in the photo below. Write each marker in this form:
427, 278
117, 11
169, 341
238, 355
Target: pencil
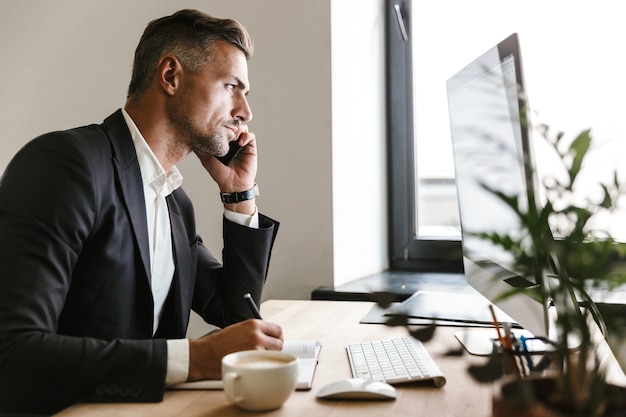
505, 343
497, 326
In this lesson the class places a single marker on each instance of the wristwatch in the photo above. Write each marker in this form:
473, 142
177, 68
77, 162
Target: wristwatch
238, 197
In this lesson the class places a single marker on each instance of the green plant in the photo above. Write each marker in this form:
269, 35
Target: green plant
567, 256
561, 251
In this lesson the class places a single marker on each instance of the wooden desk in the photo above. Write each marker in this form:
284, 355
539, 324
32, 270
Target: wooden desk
334, 324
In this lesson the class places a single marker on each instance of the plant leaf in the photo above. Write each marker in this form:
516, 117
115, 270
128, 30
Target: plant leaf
607, 201
397, 320
578, 149
383, 299
490, 371
423, 334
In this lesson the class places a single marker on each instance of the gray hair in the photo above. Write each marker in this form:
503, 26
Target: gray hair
187, 34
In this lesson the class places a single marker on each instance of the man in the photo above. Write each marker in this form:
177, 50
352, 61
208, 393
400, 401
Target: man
100, 262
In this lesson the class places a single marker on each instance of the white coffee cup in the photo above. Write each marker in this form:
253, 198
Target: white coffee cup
259, 380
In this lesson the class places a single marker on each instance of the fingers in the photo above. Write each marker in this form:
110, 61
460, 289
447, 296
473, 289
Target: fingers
206, 353
248, 141
272, 335
260, 334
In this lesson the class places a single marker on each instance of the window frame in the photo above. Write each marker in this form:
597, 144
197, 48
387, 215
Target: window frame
407, 250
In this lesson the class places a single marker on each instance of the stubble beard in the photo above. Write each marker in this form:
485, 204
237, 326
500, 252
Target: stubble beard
212, 143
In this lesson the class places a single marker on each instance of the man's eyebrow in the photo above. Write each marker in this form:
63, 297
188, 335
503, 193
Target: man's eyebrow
242, 85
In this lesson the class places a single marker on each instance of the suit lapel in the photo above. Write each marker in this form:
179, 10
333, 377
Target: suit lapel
129, 174
182, 258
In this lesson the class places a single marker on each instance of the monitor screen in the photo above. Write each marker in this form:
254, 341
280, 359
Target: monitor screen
490, 140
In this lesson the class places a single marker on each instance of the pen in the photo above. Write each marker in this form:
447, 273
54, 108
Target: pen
253, 307
505, 343
507, 334
529, 361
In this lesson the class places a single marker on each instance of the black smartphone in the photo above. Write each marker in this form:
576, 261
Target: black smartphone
232, 152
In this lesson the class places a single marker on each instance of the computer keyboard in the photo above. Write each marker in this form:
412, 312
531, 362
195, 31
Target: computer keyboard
393, 361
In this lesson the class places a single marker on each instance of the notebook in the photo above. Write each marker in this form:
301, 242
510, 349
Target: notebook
307, 352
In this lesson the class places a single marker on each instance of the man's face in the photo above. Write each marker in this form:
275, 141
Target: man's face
212, 103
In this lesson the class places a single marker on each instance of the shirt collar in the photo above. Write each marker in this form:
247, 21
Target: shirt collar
152, 172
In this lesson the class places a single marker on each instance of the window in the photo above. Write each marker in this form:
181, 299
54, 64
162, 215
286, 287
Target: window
410, 248
573, 69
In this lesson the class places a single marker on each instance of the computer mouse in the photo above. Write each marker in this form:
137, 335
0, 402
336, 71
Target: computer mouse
357, 389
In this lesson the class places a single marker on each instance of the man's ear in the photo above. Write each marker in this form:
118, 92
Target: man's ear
169, 72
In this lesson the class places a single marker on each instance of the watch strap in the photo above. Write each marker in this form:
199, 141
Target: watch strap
238, 197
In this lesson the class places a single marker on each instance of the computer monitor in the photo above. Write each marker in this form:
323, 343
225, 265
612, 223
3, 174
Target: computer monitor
491, 140
489, 124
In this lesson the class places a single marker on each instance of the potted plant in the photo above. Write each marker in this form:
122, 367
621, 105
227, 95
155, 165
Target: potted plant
561, 251
566, 256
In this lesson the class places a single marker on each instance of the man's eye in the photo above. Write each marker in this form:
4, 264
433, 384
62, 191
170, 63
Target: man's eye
230, 86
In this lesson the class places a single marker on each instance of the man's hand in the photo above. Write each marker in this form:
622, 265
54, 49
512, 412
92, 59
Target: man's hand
206, 353
240, 174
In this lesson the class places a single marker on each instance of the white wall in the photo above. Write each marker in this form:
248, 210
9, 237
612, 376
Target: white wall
358, 131
317, 98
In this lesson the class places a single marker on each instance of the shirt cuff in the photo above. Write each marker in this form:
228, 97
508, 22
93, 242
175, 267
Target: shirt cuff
251, 221
177, 361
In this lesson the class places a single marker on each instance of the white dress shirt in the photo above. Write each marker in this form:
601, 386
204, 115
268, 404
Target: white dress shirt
157, 185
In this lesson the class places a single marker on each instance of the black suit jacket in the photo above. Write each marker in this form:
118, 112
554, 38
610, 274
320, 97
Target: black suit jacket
76, 308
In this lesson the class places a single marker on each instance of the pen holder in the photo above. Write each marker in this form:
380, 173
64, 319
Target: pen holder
526, 357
